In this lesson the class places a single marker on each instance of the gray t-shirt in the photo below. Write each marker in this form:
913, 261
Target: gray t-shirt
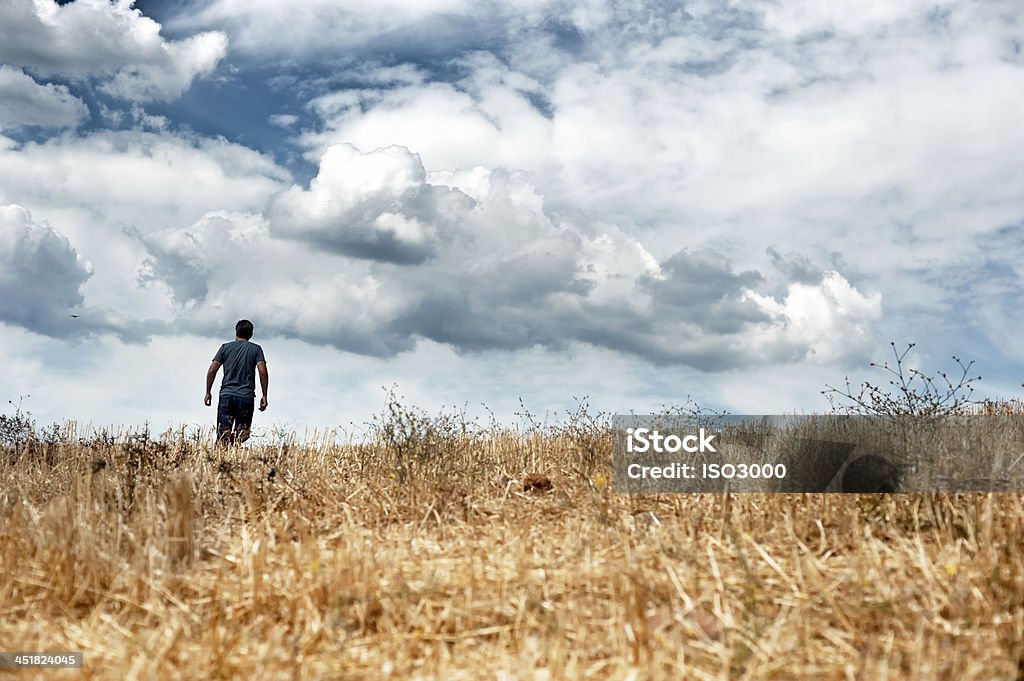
239, 359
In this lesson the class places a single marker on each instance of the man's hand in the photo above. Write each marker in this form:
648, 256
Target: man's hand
261, 367
210, 374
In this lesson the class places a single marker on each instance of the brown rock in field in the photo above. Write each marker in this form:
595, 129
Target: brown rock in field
536, 482
703, 622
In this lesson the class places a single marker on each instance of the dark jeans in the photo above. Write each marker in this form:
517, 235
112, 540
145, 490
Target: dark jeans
234, 418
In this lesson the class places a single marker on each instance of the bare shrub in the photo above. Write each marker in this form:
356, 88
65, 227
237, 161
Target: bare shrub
17, 430
910, 392
910, 409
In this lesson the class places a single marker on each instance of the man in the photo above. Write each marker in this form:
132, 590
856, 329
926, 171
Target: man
241, 360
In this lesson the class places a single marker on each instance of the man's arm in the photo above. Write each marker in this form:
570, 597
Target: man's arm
261, 367
211, 373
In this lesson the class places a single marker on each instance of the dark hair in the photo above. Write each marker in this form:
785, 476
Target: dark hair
243, 329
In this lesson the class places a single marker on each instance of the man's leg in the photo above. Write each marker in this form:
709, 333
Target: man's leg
225, 422
243, 420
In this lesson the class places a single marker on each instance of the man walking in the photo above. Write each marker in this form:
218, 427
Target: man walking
241, 360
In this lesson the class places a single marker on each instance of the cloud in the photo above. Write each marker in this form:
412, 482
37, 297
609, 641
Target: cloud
809, 17
717, 111
344, 26
284, 120
24, 102
139, 178
376, 205
890, 137
476, 263
492, 122
829, 321
107, 41
41, 275
795, 266
103, 189
227, 266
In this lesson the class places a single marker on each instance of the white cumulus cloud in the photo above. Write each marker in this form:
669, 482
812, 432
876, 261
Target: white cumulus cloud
109, 41
378, 255
376, 205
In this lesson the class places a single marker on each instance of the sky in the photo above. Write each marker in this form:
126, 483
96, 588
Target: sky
527, 202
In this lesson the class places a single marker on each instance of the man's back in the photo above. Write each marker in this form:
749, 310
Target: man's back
239, 360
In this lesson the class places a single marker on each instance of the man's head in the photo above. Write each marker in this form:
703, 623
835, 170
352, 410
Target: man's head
243, 329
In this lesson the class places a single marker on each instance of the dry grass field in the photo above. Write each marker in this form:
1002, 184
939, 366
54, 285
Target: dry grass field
416, 557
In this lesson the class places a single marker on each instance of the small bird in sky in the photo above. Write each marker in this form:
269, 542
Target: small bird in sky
73, 316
